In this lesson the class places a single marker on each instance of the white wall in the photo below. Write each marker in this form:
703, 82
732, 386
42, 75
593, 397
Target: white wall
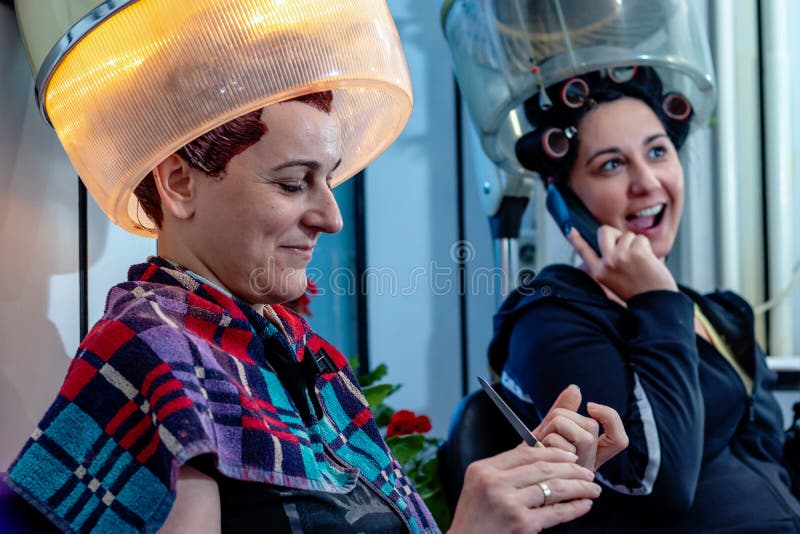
38, 239
411, 224
111, 251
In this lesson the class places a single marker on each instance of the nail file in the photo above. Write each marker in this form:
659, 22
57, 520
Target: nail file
515, 421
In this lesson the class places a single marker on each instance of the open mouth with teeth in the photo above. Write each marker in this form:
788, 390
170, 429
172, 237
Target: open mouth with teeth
646, 218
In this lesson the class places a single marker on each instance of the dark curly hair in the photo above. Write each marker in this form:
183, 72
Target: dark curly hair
569, 104
212, 151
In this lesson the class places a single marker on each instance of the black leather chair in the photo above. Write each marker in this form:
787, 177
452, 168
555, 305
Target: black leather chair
477, 430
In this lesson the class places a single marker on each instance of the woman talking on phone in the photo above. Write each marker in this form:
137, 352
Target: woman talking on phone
682, 369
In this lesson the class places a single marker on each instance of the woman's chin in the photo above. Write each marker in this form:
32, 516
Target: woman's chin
277, 291
662, 247
294, 290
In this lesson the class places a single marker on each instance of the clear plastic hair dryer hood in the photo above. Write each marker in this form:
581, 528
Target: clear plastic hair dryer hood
505, 51
127, 82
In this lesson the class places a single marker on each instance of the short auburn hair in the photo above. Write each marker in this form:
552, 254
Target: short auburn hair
211, 152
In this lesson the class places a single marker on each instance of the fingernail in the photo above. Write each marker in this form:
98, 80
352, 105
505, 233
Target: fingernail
576, 386
567, 228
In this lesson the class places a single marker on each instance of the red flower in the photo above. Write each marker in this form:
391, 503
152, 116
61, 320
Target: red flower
422, 424
405, 422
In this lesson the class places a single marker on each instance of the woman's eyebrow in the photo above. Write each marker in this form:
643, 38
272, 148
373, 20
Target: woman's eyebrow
654, 137
610, 150
310, 164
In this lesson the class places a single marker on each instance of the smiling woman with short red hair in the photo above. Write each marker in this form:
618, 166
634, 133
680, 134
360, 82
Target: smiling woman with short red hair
199, 403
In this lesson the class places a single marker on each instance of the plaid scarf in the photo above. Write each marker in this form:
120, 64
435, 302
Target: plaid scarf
177, 368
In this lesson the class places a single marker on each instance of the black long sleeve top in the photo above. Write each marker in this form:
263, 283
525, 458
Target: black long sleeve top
704, 453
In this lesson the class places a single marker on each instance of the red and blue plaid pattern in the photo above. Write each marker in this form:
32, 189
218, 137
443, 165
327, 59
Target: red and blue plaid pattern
177, 368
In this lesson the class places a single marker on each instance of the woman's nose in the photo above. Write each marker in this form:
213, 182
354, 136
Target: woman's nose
324, 214
644, 179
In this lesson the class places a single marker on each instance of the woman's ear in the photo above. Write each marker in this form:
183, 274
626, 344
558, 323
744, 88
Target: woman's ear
176, 187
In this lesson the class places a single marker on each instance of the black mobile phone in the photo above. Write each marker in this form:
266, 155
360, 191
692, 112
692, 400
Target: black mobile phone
569, 212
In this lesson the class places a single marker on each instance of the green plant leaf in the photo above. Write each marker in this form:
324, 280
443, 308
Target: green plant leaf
383, 414
406, 448
429, 471
354, 364
367, 379
433, 442
378, 393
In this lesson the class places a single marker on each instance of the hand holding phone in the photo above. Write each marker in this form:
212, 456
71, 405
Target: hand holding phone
570, 212
630, 274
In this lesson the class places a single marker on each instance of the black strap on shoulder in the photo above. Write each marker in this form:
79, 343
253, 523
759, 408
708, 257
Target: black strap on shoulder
318, 364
